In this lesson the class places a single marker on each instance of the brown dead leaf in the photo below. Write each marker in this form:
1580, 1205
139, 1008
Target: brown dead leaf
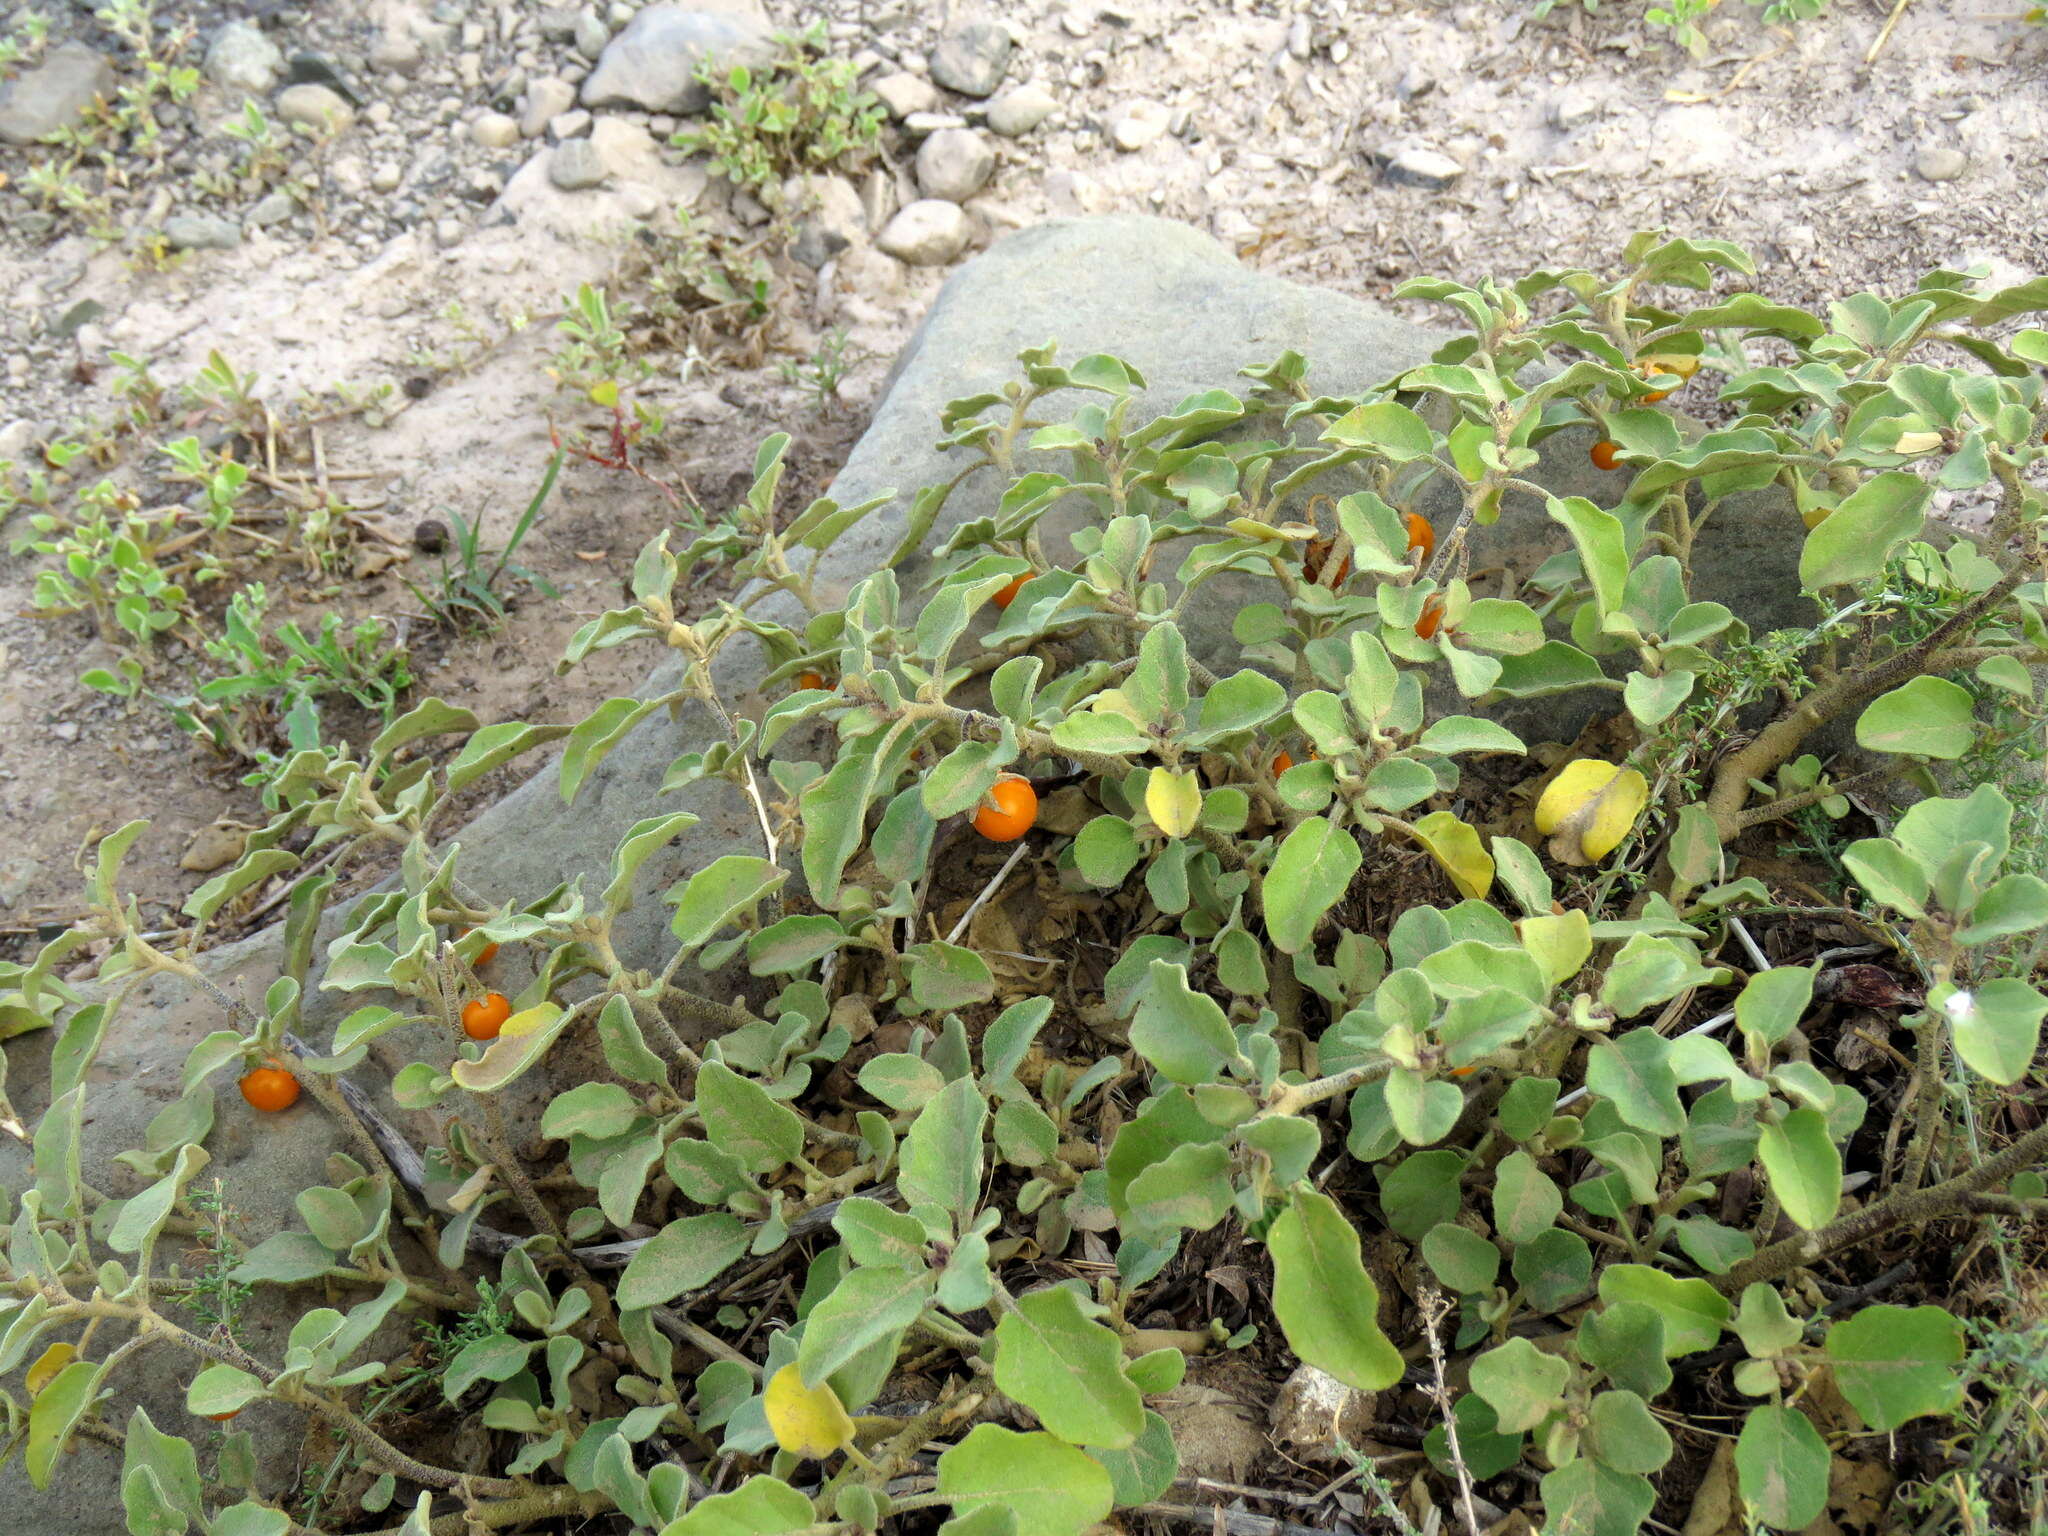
1860, 1494
1716, 1503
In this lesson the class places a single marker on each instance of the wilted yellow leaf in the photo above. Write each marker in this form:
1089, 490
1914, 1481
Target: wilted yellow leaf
806, 1421
1589, 808
48, 1364
1174, 800
1455, 845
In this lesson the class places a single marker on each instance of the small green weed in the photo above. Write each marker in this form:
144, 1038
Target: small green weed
467, 596
803, 112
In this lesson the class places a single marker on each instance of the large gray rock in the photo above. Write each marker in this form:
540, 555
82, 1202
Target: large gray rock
54, 94
652, 64
1126, 285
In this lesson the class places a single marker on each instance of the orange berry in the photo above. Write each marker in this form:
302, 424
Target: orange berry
1606, 453
1008, 595
1463, 1071
222, 1418
1655, 395
485, 955
1432, 618
483, 1017
270, 1089
806, 680
1283, 762
1420, 535
1008, 810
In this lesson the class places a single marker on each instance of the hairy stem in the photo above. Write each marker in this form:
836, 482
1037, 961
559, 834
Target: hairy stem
1907, 1205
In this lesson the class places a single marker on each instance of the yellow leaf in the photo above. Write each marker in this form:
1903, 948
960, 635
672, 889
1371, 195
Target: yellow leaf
1174, 800
1561, 943
527, 1020
1112, 701
1455, 845
604, 392
1589, 808
48, 1364
1682, 364
806, 1421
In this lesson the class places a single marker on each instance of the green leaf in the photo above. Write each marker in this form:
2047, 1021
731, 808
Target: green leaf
1068, 1369
625, 1048
1386, 427
1522, 1384
761, 1506
1526, 1200
55, 1414
1897, 1363
686, 1255
720, 893
942, 1154
494, 1357
2015, 905
1310, 874
1242, 702
641, 842
944, 977
252, 870
1181, 1032
1143, 1470
1625, 1435
1190, 1187
1625, 1339
743, 1120
1996, 1026
1587, 1498
592, 738
1602, 545
1766, 1329
1773, 1002
221, 1389
1855, 540
1634, 1074
1804, 1167
1052, 1488
1106, 851
1463, 1260
169, 1470
1889, 873
1652, 700
1928, 717
867, 1307
1692, 1310
596, 1110
1781, 1464
1326, 1303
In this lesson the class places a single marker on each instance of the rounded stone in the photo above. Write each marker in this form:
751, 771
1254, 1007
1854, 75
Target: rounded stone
494, 130
575, 165
954, 163
928, 233
972, 58
319, 107
1016, 112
